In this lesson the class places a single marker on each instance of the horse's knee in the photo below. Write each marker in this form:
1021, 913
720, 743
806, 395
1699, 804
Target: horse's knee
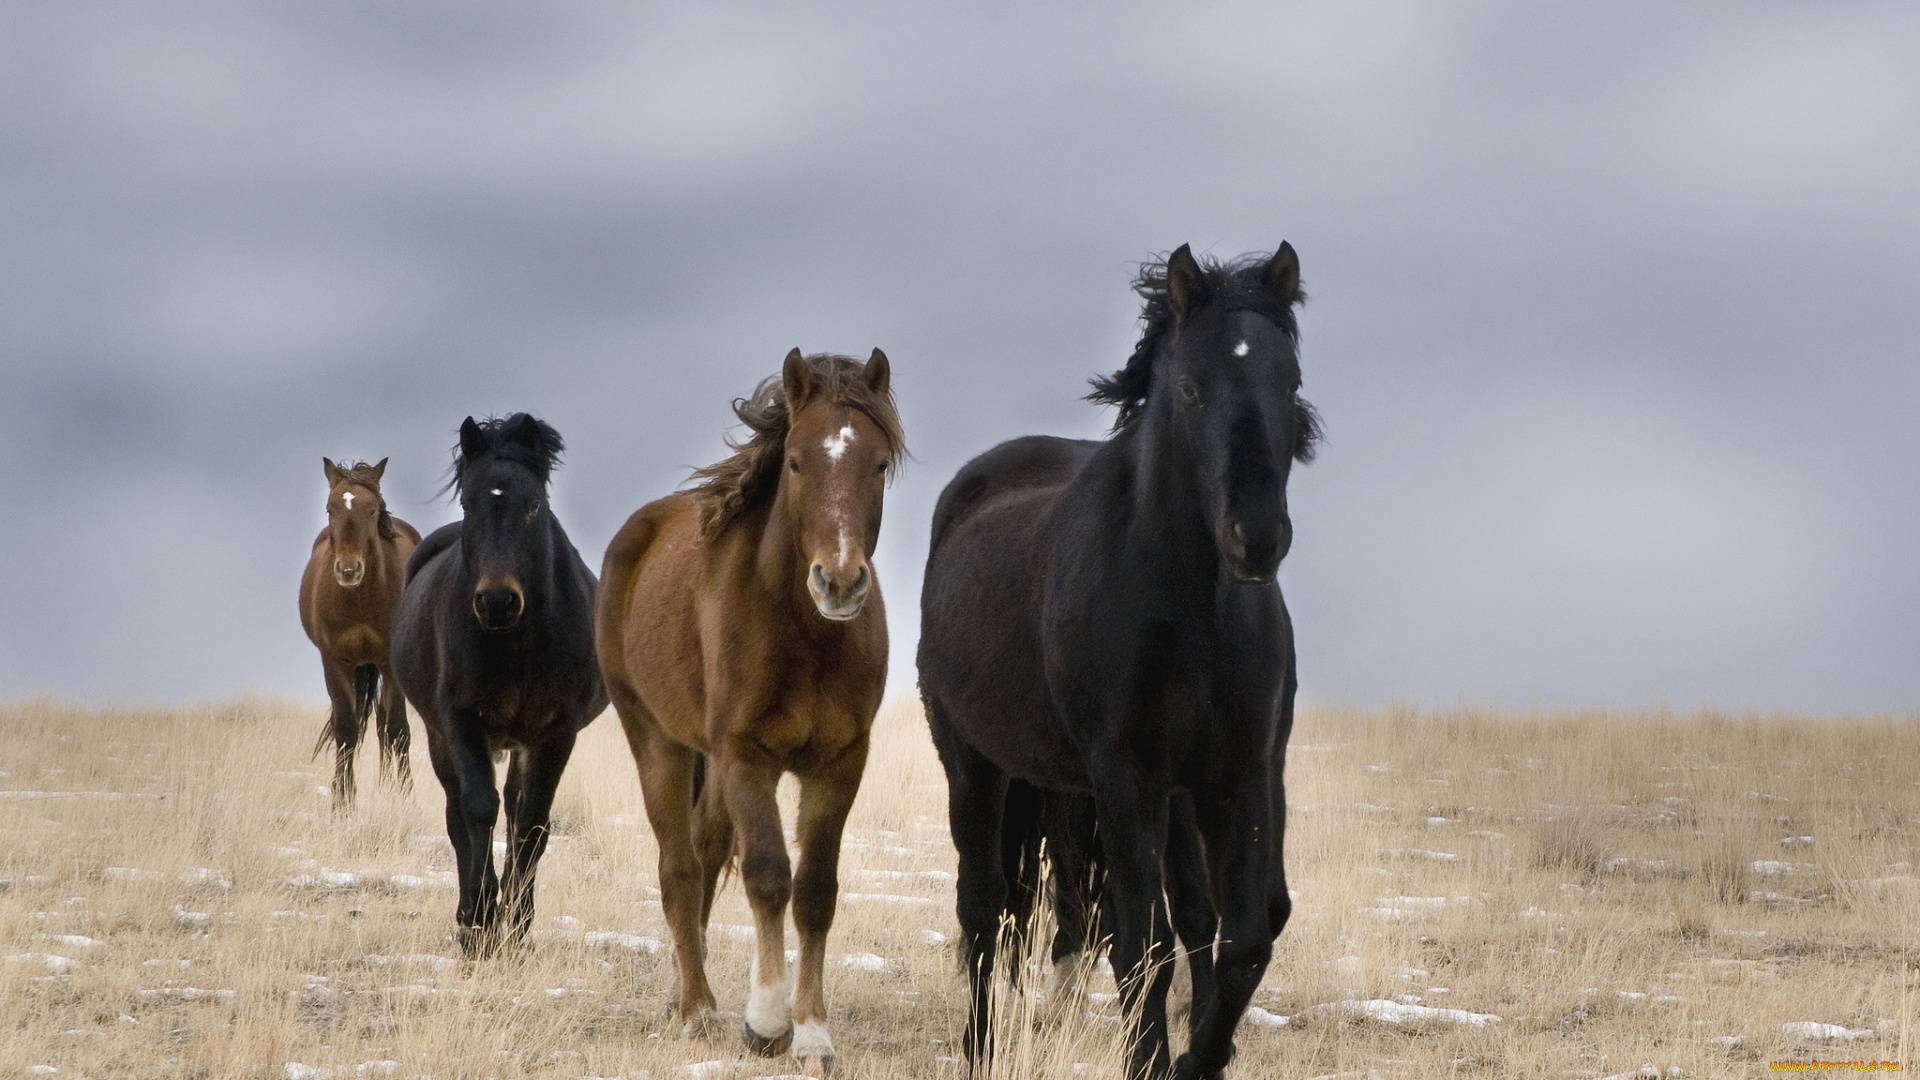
813, 903
1242, 960
768, 879
1279, 908
480, 807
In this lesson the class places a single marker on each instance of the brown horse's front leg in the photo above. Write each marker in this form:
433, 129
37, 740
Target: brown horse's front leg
666, 786
749, 789
826, 796
343, 730
396, 735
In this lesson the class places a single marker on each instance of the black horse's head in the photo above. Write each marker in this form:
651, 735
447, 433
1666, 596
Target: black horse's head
1218, 368
500, 472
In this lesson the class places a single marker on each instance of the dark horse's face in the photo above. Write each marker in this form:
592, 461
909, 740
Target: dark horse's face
1231, 378
831, 486
505, 536
353, 518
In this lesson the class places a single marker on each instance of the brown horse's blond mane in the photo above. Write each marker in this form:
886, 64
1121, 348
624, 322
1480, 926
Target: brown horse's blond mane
728, 489
362, 473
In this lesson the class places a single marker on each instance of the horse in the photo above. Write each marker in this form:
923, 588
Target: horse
493, 645
1101, 617
347, 596
742, 636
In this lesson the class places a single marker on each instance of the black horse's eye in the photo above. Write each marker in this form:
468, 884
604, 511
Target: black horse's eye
1189, 393
793, 464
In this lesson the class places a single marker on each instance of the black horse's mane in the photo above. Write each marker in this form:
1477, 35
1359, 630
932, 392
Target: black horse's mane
540, 453
1235, 284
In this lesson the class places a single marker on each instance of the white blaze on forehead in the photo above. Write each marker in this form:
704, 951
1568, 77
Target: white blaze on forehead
1240, 349
347, 498
836, 445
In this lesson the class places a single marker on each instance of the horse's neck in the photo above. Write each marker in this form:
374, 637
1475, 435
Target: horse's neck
1166, 525
777, 572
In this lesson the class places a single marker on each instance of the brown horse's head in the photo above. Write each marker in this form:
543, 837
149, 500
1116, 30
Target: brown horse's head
842, 439
356, 517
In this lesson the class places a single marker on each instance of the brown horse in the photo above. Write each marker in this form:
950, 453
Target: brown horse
742, 636
347, 597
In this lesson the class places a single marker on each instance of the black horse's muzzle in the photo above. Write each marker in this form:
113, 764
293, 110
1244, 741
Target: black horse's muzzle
498, 608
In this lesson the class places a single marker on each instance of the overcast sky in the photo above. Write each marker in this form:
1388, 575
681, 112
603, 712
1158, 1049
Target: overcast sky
1613, 317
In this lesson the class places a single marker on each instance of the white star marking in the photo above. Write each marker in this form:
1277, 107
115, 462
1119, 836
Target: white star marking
1240, 349
347, 497
836, 445
497, 491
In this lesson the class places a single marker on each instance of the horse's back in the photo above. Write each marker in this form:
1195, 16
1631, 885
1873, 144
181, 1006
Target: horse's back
436, 542
980, 656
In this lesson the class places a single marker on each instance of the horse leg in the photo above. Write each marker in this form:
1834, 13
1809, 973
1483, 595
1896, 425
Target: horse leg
531, 782
826, 796
396, 735
712, 837
1236, 823
343, 729
976, 800
473, 807
1187, 896
1133, 829
748, 787
666, 787
1068, 825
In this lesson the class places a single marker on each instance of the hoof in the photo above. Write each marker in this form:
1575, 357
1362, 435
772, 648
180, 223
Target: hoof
762, 1045
477, 942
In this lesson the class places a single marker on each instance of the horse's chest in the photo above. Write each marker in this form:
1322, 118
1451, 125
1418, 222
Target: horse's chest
808, 725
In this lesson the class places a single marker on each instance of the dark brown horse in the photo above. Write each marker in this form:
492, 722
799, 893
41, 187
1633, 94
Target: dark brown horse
347, 597
742, 636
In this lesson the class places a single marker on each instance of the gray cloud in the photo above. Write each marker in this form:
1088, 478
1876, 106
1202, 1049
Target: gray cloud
1612, 318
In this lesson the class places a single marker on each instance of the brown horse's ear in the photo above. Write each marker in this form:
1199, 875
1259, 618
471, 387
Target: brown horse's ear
796, 379
878, 374
473, 441
379, 470
1186, 287
1282, 274
332, 471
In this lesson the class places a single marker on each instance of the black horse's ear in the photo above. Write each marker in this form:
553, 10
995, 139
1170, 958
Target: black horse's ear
333, 471
796, 379
878, 374
525, 430
1282, 274
473, 441
1186, 287
379, 469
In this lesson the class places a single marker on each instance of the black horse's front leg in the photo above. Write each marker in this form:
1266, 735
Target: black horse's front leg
1187, 894
473, 807
976, 803
1133, 832
1236, 822
531, 783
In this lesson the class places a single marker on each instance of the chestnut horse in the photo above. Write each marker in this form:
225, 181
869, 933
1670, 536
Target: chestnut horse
742, 636
347, 597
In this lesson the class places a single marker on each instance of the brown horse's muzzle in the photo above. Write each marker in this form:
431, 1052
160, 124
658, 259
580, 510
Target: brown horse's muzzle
839, 595
349, 575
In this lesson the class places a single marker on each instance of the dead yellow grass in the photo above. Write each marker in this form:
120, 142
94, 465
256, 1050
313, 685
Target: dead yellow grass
1619, 889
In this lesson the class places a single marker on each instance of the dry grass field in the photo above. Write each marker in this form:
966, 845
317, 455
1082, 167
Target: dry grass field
1479, 894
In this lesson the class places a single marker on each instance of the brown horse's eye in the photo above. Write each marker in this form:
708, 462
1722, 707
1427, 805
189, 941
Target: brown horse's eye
883, 467
793, 464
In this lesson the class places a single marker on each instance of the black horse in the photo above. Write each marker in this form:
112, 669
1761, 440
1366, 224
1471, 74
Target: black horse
493, 645
1102, 617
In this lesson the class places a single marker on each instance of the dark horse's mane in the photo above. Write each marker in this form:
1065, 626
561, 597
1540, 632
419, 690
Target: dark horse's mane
541, 456
729, 488
1235, 284
362, 474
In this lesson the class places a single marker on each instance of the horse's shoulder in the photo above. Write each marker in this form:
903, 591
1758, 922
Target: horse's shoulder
436, 542
404, 529
1020, 465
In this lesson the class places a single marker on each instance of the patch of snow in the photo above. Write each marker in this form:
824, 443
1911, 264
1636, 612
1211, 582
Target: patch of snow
188, 993
709, 1070
1422, 853
1813, 1032
631, 942
1393, 1012
886, 898
933, 937
1769, 866
78, 941
864, 962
